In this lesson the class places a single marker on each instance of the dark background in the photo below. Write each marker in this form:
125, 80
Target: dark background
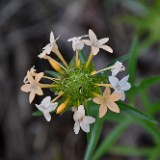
25, 26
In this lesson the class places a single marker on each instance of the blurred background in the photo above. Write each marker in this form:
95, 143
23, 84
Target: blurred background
25, 26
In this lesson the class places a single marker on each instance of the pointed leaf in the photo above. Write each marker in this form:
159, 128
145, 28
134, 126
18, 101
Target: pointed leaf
135, 112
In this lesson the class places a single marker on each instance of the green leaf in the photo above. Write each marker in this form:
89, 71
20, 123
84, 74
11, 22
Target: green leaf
132, 62
130, 151
53, 73
37, 113
155, 108
121, 59
110, 139
94, 137
135, 112
72, 62
155, 154
144, 84
82, 56
151, 128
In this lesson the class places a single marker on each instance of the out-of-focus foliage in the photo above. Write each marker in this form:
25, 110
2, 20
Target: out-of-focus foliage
147, 22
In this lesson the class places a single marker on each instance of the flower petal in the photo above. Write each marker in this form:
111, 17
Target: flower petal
46, 101
94, 50
113, 107
76, 127
124, 79
52, 107
81, 110
47, 116
114, 97
41, 55
89, 119
52, 39
126, 86
114, 81
40, 107
102, 110
92, 36
106, 92
87, 42
31, 96
106, 48
39, 91
103, 41
98, 100
30, 77
39, 76
123, 96
85, 127
26, 88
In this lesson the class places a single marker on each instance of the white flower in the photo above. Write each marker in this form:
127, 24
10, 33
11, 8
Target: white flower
120, 86
82, 121
116, 68
46, 107
77, 43
97, 44
52, 46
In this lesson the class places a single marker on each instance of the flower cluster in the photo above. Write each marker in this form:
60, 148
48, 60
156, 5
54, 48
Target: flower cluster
76, 83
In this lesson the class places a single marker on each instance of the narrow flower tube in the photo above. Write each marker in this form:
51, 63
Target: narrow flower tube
47, 85
103, 85
89, 60
62, 107
77, 60
59, 95
59, 55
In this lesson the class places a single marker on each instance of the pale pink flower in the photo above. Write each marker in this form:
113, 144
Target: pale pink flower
33, 85
107, 101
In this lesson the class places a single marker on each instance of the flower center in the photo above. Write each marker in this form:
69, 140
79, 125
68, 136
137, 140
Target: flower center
77, 84
34, 86
78, 116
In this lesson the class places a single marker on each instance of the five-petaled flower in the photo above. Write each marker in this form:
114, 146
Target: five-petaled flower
116, 68
120, 86
52, 46
97, 44
46, 107
77, 42
33, 85
107, 101
82, 121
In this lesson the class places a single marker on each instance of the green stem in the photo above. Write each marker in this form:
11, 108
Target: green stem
110, 139
94, 138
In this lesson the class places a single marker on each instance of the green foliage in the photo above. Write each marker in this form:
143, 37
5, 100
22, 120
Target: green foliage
53, 73
111, 139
